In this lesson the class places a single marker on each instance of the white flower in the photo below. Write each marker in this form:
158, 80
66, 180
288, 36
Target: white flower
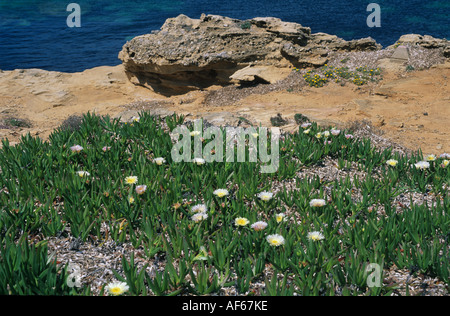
307, 131
430, 157
140, 189
82, 174
131, 200
392, 162
199, 208
275, 240
280, 217
106, 148
220, 192
306, 125
326, 133
198, 161
159, 161
349, 136
335, 132
319, 135
422, 165
76, 148
445, 155
117, 288
195, 133
265, 196
259, 225
255, 135
315, 236
445, 163
197, 217
241, 221
131, 180
135, 119
317, 203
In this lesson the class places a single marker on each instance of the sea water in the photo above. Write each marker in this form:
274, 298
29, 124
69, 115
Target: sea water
35, 34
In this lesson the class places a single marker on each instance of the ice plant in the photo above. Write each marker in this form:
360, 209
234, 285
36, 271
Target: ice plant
198, 161
220, 192
445, 155
131, 180
317, 203
392, 162
349, 136
195, 133
265, 196
199, 208
140, 189
241, 221
82, 174
422, 165
260, 225
197, 217
280, 217
445, 163
335, 132
275, 240
319, 135
326, 133
117, 288
306, 131
431, 157
159, 161
76, 148
315, 236
131, 200
106, 148
306, 125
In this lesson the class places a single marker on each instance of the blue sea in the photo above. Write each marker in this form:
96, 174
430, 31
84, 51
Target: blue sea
34, 33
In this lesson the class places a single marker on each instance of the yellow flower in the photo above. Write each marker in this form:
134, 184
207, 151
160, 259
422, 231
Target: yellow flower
241, 221
445, 163
275, 240
131, 180
131, 200
117, 288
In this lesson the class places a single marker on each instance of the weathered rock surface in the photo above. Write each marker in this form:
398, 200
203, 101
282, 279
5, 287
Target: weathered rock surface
188, 54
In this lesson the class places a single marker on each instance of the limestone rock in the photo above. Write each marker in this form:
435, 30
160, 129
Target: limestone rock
188, 54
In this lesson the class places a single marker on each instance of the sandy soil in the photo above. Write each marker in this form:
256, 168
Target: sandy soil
411, 109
